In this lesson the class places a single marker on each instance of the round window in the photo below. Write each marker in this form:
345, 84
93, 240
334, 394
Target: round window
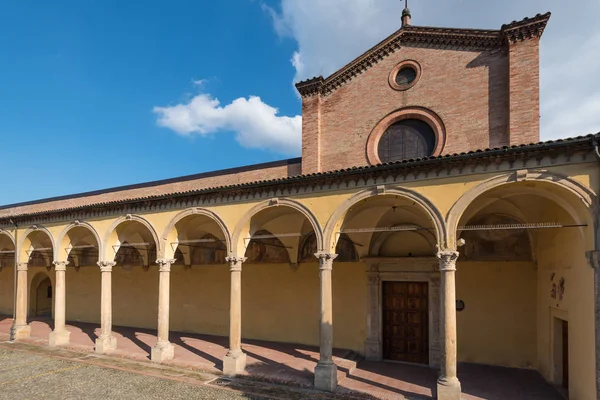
406, 139
406, 76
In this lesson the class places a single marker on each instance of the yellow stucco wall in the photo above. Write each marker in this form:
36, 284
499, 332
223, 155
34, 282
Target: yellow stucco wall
498, 324
561, 254
7, 276
508, 315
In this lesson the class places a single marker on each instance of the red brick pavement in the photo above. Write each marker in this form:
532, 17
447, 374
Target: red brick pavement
294, 364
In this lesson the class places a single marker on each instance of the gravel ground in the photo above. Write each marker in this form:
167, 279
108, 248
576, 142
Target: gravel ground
25, 375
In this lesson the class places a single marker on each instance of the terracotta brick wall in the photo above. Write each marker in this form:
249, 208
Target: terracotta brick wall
266, 171
524, 89
468, 90
310, 134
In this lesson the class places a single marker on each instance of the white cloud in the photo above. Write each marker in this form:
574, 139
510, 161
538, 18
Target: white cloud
199, 82
256, 124
330, 33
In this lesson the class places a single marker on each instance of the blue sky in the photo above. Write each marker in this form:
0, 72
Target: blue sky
83, 77
97, 94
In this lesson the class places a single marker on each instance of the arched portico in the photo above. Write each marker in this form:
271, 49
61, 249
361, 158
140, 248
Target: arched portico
398, 233
131, 243
197, 237
192, 229
403, 196
80, 244
7, 271
527, 234
267, 239
37, 248
7, 250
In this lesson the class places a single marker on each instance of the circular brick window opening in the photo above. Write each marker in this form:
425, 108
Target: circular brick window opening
405, 134
405, 140
405, 75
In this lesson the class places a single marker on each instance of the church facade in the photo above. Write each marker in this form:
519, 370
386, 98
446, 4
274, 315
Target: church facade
424, 223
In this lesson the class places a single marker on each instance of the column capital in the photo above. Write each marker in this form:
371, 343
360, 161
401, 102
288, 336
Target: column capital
106, 266
60, 265
22, 266
235, 263
447, 260
164, 264
326, 260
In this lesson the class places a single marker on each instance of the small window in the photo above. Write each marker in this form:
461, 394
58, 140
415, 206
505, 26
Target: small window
406, 139
406, 76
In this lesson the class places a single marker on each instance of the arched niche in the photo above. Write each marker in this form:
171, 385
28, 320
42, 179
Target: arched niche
193, 229
571, 196
41, 294
7, 250
37, 247
496, 245
80, 245
345, 249
132, 241
211, 250
266, 248
286, 220
382, 208
289, 220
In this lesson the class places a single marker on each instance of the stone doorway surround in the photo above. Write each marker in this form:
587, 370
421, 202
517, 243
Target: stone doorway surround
401, 269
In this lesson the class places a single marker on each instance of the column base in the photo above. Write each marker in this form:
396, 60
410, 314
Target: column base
448, 389
162, 352
234, 363
373, 350
326, 376
20, 332
104, 344
59, 338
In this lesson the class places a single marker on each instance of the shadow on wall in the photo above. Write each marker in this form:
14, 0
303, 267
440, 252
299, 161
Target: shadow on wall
498, 105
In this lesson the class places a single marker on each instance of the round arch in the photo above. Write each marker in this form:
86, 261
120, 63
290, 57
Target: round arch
191, 212
418, 113
22, 252
337, 218
587, 196
129, 218
238, 246
78, 224
9, 235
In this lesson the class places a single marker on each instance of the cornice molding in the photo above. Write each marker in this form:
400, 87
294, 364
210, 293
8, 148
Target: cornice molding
528, 28
510, 159
425, 36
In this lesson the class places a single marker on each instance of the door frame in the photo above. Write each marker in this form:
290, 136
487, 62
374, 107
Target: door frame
557, 316
410, 269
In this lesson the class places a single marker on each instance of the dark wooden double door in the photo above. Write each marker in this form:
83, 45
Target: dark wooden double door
406, 322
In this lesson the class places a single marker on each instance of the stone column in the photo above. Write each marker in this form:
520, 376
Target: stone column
234, 362
373, 342
60, 335
20, 329
106, 342
164, 350
448, 385
326, 370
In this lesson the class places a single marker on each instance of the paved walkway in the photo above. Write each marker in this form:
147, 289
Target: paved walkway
294, 364
25, 375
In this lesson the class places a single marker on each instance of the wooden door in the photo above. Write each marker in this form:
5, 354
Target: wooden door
406, 322
565, 351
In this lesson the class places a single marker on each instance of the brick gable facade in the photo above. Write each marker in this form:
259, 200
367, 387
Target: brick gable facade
482, 85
